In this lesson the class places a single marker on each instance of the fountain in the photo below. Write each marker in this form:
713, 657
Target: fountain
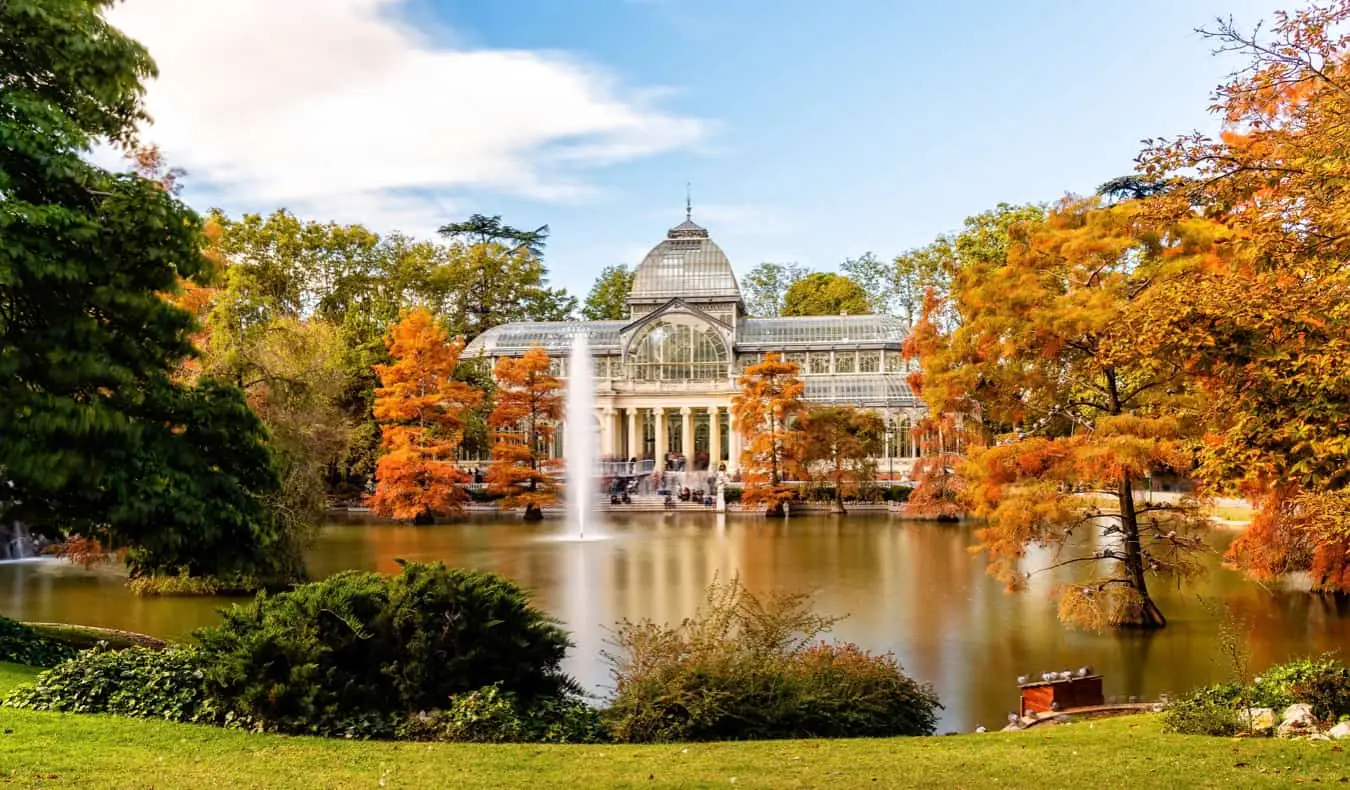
580, 442
15, 543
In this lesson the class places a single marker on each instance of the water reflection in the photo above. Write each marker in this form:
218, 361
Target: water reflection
910, 588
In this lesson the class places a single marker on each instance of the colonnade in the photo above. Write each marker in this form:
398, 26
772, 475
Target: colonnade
700, 436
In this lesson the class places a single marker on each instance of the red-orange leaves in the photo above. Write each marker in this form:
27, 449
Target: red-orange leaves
769, 411
421, 411
524, 417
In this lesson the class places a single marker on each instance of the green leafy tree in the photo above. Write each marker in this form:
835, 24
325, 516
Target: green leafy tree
982, 240
826, 293
767, 284
607, 299
99, 438
878, 280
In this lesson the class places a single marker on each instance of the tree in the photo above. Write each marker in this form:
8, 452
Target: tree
479, 229
983, 240
769, 411
1055, 342
101, 439
1265, 328
825, 293
878, 280
938, 487
842, 442
421, 411
607, 300
498, 275
485, 285
767, 284
524, 419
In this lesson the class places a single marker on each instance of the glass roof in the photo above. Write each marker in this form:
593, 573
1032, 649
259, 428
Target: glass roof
853, 331
860, 389
687, 264
554, 336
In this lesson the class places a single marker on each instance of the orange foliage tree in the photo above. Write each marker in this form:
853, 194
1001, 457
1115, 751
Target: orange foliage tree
524, 419
769, 412
841, 443
1051, 342
1266, 331
421, 410
938, 486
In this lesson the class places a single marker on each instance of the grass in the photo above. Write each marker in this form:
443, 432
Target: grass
68, 750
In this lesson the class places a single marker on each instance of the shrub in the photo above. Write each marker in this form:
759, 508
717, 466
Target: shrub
1321, 682
1202, 713
350, 654
732, 493
142, 682
746, 668
489, 715
20, 644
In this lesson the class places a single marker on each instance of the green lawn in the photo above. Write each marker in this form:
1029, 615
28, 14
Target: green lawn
54, 750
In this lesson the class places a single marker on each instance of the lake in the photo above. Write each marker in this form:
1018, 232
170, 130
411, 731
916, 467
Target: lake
908, 587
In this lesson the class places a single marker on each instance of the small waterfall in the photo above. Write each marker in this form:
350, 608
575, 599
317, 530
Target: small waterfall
580, 442
15, 543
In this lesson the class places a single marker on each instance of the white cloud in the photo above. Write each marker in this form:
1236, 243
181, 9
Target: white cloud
331, 104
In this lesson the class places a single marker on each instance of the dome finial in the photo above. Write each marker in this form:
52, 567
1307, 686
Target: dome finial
688, 203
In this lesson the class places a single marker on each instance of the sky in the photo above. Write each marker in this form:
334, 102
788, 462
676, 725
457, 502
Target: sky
810, 131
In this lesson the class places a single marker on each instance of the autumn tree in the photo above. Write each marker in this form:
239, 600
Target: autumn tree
840, 444
525, 414
421, 412
1266, 328
766, 285
825, 293
769, 411
607, 300
1055, 342
938, 484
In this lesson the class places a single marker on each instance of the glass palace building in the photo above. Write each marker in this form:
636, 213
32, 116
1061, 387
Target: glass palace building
666, 375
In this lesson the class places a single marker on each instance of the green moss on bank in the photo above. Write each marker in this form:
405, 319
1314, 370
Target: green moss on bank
48, 749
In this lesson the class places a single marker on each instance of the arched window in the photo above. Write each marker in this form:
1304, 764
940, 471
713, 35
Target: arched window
670, 350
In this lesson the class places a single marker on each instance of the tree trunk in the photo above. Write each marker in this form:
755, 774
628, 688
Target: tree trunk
839, 499
423, 519
774, 511
533, 512
1148, 614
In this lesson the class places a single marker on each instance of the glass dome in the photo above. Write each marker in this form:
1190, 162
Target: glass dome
669, 350
687, 264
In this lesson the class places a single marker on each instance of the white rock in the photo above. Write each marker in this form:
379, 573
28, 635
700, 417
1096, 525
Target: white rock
1341, 730
980, 729
1298, 720
1258, 719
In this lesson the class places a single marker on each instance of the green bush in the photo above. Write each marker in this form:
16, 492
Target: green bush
1201, 713
489, 715
894, 493
732, 493
352, 654
749, 668
1323, 683
139, 681
20, 644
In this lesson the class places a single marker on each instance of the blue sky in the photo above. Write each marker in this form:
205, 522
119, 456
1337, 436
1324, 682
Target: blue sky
811, 131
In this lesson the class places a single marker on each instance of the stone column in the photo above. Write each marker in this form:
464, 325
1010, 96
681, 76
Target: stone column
714, 437
634, 447
734, 435
687, 436
606, 431
659, 417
